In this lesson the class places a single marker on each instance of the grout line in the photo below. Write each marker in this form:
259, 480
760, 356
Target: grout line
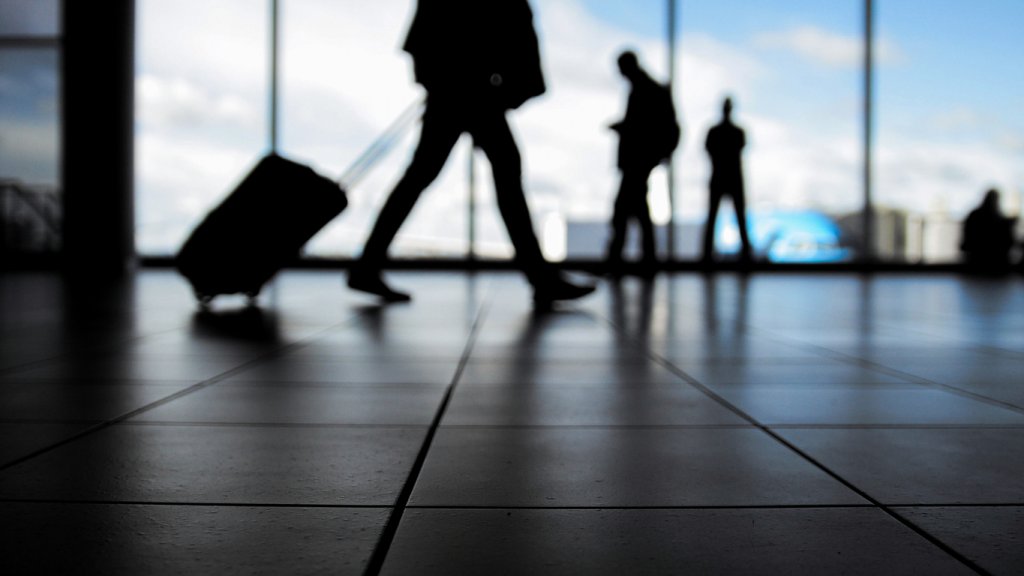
835, 475
191, 504
298, 425
100, 351
387, 537
807, 457
881, 368
155, 404
412, 425
512, 507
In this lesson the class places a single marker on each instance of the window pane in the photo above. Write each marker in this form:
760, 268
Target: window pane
950, 123
201, 109
30, 205
344, 80
29, 17
569, 152
794, 69
30, 115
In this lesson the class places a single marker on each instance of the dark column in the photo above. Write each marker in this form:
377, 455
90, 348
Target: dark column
98, 117
868, 223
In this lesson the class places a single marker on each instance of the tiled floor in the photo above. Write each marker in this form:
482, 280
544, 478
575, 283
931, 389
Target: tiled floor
770, 424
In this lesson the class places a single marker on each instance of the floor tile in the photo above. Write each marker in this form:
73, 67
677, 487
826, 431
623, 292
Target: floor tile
989, 536
624, 467
728, 350
802, 374
996, 377
133, 368
20, 439
568, 445
865, 406
75, 401
222, 465
925, 466
304, 370
139, 539
599, 371
565, 405
760, 541
380, 405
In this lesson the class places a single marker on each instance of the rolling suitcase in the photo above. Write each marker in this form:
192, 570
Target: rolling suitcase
267, 219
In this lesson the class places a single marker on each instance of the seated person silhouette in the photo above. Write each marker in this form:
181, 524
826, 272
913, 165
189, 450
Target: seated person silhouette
477, 60
725, 142
988, 236
648, 134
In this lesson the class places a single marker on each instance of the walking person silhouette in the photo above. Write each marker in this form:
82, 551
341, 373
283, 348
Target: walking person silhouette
477, 59
648, 134
724, 144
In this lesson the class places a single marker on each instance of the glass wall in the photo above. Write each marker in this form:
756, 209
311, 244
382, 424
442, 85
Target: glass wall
945, 130
30, 126
201, 84
794, 70
950, 123
30, 19
569, 150
344, 80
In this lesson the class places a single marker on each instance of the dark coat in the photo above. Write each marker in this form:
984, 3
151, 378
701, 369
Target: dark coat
987, 236
725, 144
482, 51
649, 132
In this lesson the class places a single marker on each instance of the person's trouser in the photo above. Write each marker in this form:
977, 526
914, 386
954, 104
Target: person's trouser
631, 203
443, 124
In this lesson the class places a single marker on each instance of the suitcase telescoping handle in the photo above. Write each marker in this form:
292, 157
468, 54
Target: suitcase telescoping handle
381, 146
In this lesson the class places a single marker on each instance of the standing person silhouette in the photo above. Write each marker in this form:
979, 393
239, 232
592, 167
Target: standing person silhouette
477, 59
648, 134
725, 142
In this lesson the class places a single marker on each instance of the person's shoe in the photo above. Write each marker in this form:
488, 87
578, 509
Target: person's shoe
369, 281
547, 292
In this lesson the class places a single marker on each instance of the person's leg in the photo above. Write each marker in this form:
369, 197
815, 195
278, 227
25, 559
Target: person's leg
491, 133
619, 223
643, 216
746, 250
439, 133
714, 199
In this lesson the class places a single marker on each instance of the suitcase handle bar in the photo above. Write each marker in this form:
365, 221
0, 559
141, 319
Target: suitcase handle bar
381, 146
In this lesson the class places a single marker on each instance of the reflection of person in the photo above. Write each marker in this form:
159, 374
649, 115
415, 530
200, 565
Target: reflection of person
725, 142
476, 60
988, 236
648, 134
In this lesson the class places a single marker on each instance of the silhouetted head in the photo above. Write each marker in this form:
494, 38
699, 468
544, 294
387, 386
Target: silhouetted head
727, 107
628, 63
991, 200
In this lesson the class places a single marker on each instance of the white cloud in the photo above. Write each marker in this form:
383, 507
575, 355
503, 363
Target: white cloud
181, 103
828, 48
936, 175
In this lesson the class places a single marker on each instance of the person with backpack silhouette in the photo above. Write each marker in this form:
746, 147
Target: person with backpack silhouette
648, 135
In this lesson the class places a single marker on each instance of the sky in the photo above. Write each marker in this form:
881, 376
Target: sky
949, 120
